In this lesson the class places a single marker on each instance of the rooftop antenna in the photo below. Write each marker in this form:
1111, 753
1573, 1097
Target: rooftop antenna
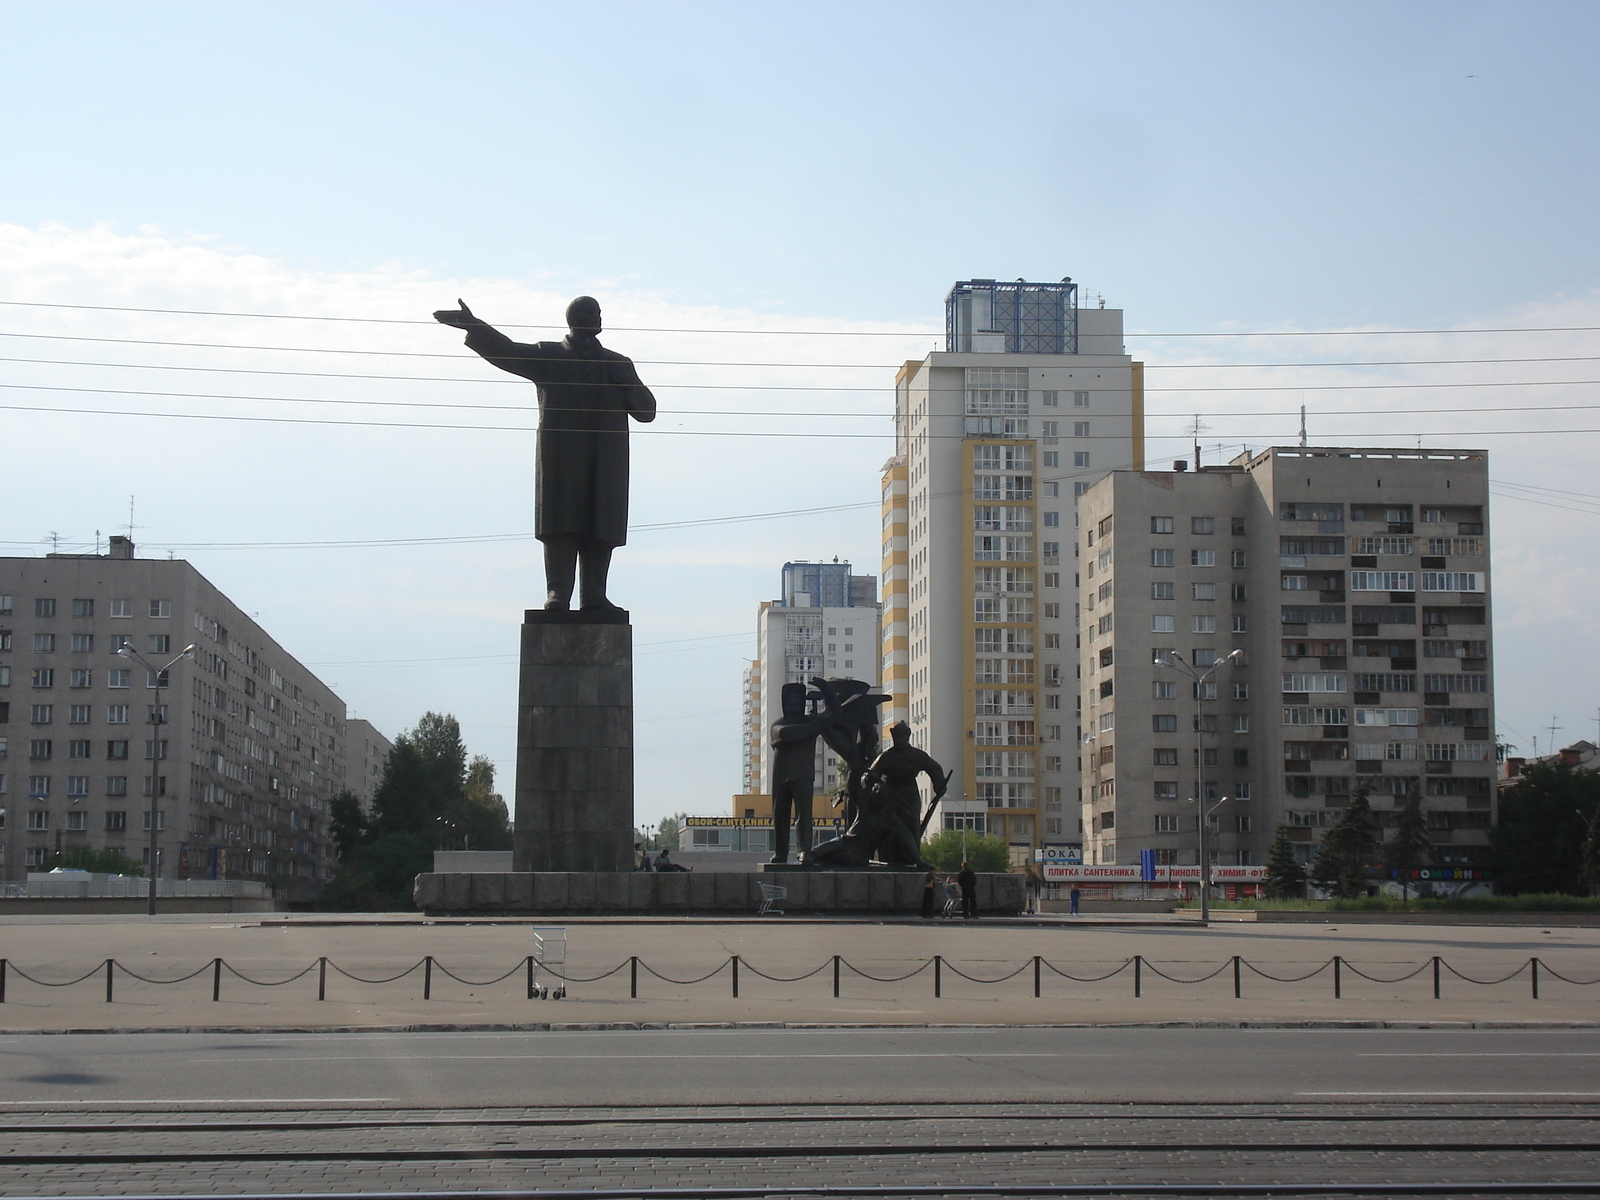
130, 518
97, 543
55, 542
1302, 426
1196, 428
1553, 728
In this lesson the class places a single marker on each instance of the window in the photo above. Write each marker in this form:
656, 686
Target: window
1205, 624
1052, 519
122, 608
1203, 591
1238, 558
1241, 723
1165, 789
39, 818
1291, 511
1203, 525
118, 679
1161, 591
41, 749
116, 821
117, 748
160, 609
116, 785
1241, 691
1080, 429
1080, 458
78, 748
80, 677
1202, 558
44, 677
1164, 689
1314, 681
1164, 723
77, 786
155, 679
79, 714
1238, 527
42, 714
1165, 757
1241, 625
1050, 429
1166, 822
1163, 623
43, 610
1383, 581
83, 609
6, 605
116, 714
160, 643
1161, 558
1293, 583
1452, 581
38, 785
1161, 524
75, 819
1050, 399
1206, 691
82, 643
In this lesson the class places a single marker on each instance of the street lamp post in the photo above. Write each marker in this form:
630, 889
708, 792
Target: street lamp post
1176, 661
158, 675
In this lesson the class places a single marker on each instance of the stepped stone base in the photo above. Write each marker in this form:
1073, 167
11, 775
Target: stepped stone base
647, 893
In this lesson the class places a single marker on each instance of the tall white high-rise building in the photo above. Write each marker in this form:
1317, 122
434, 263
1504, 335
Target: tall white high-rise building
1032, 400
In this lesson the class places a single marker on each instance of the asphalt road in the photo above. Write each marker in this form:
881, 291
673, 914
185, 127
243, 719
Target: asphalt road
678, 1067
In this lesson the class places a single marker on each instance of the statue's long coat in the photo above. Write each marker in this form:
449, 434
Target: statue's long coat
586, 395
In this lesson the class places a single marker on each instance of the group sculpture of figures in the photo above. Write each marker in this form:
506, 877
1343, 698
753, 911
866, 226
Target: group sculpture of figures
879, 792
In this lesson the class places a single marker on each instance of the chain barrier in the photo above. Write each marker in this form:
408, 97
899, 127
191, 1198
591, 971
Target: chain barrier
1533, 967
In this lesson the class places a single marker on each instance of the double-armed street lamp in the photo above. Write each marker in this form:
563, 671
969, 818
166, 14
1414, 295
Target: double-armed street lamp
1177, 662
158, 680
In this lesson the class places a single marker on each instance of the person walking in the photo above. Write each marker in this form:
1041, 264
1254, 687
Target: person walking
1074, 897
930, 883
968, 879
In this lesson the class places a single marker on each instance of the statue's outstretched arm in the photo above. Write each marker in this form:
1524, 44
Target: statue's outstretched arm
489, 343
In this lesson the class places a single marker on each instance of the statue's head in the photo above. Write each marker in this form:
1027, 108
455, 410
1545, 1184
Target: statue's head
901, 733
794, 699
583, 315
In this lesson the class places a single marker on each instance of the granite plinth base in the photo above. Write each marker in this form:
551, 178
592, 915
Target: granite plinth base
574, 789
598, 893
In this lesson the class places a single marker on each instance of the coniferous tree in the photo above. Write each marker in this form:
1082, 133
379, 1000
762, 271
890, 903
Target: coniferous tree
1341, 862
1409, 848
347, 824
1286, 875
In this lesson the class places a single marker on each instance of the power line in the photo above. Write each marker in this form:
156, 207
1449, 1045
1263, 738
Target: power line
916, 333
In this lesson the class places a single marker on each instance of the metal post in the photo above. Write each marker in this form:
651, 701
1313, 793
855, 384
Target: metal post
734, 959
938, 966
835, 978
1138, 983
322, 978
108, 979
427, 977
530, 978
2, 981
1435, 976
633, 977
216, 980
1236, 990
1533, 966
1336, 980
1035, 976
155, 756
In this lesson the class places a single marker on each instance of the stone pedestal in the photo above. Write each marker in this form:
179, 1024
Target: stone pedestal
574, 799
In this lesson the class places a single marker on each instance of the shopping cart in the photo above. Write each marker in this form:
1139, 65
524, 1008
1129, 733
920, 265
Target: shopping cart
549, 960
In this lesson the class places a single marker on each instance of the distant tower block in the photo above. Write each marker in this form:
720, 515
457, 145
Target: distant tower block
575, 744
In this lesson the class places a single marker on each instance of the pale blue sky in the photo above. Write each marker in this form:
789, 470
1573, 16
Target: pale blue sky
1205, 167
1200, 163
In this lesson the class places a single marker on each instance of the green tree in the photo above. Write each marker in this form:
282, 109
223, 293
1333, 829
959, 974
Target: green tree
347, 824
96, 862
1286, 875
478, 819
1409, 847
984, 853
1341, 862
421, 789
1539, 844
667, 832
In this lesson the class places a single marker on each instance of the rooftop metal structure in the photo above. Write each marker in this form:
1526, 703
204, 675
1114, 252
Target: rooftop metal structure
984, 315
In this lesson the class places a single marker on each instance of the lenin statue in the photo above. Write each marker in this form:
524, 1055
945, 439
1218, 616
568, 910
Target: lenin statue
586, 395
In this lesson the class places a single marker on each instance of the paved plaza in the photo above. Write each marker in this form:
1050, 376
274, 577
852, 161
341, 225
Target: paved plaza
275, 948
